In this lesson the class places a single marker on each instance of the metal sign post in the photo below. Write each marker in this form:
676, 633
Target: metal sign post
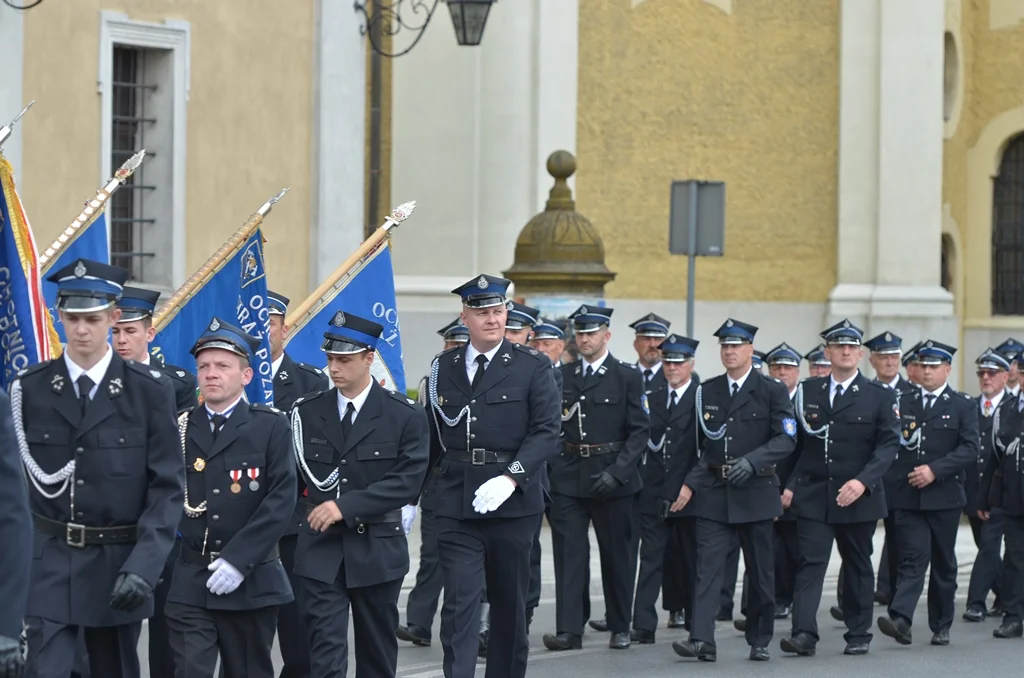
696, 228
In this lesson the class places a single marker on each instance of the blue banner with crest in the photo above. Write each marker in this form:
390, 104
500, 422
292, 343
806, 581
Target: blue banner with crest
368, 292
235, 292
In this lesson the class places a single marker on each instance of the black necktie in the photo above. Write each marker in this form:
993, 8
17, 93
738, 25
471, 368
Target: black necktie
481, 365
931, 401
346, 421
85, 385
217, 420
648, 375
589, 373
672, 400
839, 392
735, 389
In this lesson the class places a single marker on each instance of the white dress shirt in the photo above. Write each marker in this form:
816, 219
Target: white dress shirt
357, 402
995, 400
226, 413
832, 383
742, 380
596, 365
937, 393
96, 372
678, 391
471, 364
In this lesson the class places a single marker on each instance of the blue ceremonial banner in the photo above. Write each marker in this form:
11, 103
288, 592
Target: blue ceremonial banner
90, 242
26, 335
236, 291
369, 292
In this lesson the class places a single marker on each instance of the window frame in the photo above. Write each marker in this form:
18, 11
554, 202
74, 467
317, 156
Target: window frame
1014, 144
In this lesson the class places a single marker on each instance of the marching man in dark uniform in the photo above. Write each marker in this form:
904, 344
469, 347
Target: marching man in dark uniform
988, 534
650, 330
817, 362
940, 439
494, 411
292, 380
132, 335
239, 482
16, 555
848, 438
746, 427
363, 451
605, 429
549, 339
1013, 351
1002, 489
106, 484
422, 603
670, 455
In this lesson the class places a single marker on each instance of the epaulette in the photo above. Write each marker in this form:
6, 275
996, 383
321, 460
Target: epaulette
628, 364
260, 407
967, 396
713, 379
529, 351
448, 350
307, 397
32, 369
176, 372
311, 368
878, 384
401, 397
149, 371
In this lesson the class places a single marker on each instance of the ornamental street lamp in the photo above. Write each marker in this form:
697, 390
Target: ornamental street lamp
386, 19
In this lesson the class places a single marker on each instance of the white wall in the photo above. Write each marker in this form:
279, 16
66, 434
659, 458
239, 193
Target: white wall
12, 98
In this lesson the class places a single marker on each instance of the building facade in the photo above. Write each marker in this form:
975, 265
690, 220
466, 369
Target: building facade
872, 151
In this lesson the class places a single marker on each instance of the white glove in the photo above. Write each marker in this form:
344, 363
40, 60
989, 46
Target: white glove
493, 494
408, 516
225, 577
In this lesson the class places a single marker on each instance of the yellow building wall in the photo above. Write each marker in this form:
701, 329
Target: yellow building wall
740, 92
249, 120
990, 34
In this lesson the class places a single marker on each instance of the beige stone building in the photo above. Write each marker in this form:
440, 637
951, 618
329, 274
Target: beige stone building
872, 150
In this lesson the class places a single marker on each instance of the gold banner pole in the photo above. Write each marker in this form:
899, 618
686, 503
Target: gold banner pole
8, 129
206, 271
313, 302
92, 210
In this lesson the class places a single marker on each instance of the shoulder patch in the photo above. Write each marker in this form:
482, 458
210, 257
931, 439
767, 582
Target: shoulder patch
630, 365
305, 398
522, 348
878, 384
449, 350
259, 407
310, 368
176, 372
156, 375
401, 397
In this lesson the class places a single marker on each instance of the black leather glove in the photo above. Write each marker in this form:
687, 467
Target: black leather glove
664, 508
130, 592
12, 661
604, 484
741, 472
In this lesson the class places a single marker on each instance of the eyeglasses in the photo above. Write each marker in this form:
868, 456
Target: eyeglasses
987, 373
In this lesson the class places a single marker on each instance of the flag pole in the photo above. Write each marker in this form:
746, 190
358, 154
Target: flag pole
8, 129
207, 270
90, 212
313, 302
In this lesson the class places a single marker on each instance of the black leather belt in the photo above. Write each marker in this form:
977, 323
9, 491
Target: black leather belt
81, 536
194, 557
584, 451
479, 457
392, 516
723, 471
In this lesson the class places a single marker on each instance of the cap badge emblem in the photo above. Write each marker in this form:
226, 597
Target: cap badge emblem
672, 339
215, 325
888, 336
338, 320
80, 270
929, 345
846, 324
584, 310
728, 323
482, 283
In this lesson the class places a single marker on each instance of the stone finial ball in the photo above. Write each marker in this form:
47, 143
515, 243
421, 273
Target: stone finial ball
561, 164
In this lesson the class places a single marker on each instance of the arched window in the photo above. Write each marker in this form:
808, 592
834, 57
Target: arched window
948, 262
1008, 232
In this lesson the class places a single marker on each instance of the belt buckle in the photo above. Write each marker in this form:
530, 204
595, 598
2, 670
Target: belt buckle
726, 469
214, 555
584, 451
73, 530
478, 456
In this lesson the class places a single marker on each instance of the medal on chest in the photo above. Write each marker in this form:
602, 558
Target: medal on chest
253, 473
236, 476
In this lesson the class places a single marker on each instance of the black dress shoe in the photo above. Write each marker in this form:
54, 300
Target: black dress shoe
740, 624
837, 613
413, 634
974, 614
882, 598
676, 619
642, 636
1009, 630
941, 637
997, 609
801, 644
759, 653
856, 647
781, 611
619, 641
898, 628
562, 641
695, 648
598, 624
724, 615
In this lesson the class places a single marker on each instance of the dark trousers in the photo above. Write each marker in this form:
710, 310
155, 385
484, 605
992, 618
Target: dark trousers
614, 522
883, 583
887, 566
714, 539
161, 664
679, 571
855, 546
727, 596
495, 551
1013, 569
325, 608
988, 564
533, 592
292, 635
243, 639
787, 560
927, 537
653, 542
54, 647
423, 599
